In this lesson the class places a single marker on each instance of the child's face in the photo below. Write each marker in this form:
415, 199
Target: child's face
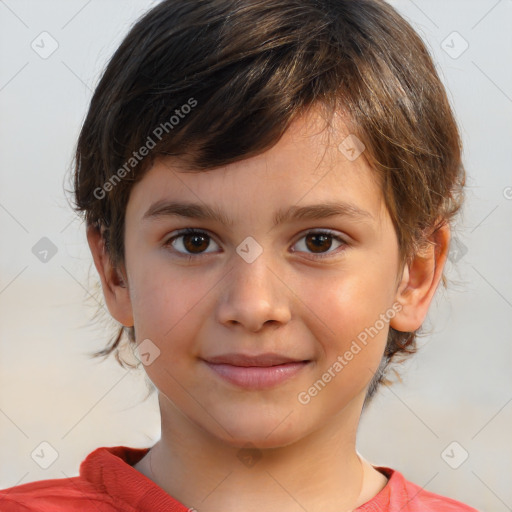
195, 307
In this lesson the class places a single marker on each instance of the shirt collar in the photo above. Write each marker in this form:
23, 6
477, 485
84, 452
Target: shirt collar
109, 470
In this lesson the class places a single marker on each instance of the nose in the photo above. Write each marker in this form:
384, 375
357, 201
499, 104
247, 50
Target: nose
253, 295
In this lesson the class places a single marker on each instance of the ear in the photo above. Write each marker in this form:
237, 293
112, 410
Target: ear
420, 280
114, 284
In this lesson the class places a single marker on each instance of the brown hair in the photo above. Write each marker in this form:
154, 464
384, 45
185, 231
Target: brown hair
246, 69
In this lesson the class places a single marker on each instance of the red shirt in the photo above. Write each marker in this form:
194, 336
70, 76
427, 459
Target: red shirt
109, 483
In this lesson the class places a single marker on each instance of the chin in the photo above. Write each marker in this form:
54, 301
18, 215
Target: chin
259, 431
259, 440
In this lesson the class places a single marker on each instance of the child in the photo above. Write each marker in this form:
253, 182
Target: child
268, 188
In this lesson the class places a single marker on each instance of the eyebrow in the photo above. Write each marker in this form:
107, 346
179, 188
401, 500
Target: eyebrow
166, 208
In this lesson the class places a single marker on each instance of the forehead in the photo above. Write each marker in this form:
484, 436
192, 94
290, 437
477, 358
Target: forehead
311, 163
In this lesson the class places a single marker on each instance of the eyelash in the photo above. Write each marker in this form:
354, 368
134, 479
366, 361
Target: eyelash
318, 256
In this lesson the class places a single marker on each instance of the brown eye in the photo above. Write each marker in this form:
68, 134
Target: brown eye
192, 242
319, 242
195, 242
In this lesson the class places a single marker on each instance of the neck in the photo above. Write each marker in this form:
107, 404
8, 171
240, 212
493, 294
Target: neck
321, 471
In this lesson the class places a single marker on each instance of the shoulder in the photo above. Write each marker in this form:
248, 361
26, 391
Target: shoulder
100, 487
64, 494
405, 496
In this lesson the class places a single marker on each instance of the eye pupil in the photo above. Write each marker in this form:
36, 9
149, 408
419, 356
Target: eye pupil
318, 237
197, 240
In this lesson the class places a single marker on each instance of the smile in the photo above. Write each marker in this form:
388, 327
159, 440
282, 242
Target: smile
257, 377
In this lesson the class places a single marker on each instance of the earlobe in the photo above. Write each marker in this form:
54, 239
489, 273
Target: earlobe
420, 279
114, 285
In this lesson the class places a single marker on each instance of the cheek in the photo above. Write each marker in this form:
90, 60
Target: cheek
170, 308
352, 342
161, 302
352, 317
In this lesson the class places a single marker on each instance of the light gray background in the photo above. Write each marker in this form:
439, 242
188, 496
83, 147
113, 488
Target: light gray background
458, 388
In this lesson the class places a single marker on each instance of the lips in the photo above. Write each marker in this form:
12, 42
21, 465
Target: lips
267, 359
258, 372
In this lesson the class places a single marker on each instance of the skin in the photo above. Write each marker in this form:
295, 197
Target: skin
286, 302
